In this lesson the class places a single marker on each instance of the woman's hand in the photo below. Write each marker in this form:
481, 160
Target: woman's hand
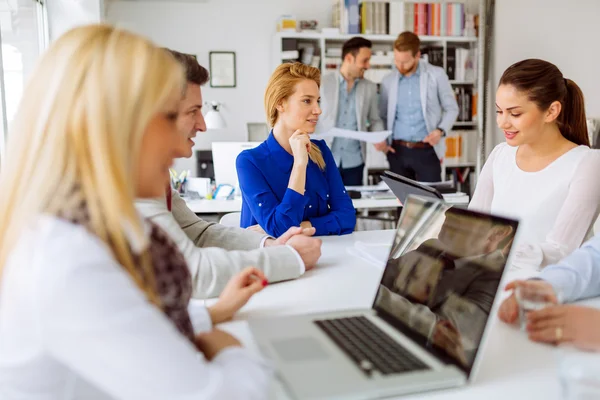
566, 324
236, 294
509, 309
300, 144
213, 342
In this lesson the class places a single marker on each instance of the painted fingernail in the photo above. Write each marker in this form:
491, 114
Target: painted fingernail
265, 282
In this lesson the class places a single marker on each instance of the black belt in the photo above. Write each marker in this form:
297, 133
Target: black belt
411, 145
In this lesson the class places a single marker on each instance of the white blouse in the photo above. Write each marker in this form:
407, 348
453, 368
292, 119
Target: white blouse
556, 206
73, 325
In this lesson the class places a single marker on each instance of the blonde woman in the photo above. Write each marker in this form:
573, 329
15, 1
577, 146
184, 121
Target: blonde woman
290, 180
94, 301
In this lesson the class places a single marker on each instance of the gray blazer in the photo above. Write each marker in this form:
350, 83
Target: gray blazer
213, 252
437, 100
367, 111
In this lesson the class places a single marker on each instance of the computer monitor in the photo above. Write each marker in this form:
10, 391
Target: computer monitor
224, 156
257, 131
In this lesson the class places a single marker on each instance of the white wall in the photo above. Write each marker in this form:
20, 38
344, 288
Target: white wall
244, 26
66, 14
566, 33
563, 32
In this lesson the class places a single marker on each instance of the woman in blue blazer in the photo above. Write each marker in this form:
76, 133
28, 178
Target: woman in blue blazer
290, 180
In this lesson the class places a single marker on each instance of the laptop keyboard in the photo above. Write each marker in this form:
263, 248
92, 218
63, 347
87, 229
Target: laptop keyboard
369, 347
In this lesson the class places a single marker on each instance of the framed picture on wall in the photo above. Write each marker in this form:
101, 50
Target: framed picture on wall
222, 69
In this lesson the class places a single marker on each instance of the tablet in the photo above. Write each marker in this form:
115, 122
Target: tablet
402, 187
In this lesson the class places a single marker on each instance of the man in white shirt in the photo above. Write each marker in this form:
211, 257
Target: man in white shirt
214, 253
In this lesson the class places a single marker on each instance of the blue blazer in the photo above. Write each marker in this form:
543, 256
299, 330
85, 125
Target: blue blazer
264, 174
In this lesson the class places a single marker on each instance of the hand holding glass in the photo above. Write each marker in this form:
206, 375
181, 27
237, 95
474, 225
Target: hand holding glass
533, 296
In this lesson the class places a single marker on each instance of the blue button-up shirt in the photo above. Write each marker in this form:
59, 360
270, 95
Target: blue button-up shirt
577, 276
264, 173
409, 123
347, 152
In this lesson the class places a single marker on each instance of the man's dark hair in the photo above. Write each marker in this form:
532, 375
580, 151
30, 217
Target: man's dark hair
194, 72
354, 45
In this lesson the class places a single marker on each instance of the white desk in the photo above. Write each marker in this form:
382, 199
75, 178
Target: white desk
235, 205
215, 206
512, 367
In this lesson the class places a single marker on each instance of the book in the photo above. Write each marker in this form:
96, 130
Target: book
353, 16
396, 18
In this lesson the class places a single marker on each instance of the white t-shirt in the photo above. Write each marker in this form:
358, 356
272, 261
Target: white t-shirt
73, 325
556, 206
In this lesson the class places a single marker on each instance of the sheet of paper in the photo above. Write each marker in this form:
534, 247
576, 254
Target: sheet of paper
374, 253
369, 137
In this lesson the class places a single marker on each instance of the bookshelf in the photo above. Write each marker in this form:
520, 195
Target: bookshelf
465, 140
374, 38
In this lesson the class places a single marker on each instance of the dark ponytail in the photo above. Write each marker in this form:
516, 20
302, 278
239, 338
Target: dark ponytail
544, 83
571, 120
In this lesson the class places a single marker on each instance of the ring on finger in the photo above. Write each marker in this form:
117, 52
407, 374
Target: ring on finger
558, 333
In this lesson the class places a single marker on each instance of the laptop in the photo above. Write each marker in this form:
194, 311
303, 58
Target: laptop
402, 187
428, 321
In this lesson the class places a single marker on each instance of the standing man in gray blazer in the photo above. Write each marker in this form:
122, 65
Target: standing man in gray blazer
350, 102
214, 253
418, 105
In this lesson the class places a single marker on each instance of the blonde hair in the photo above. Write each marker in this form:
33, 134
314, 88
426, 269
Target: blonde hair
77, 138
282, 85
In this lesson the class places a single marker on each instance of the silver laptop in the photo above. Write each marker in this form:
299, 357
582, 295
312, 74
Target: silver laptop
427, 323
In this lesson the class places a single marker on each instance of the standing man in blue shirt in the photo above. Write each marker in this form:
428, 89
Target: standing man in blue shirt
352, 102
418, 105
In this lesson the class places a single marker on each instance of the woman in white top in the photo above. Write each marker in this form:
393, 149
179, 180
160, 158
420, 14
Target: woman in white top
545, 174
94, 302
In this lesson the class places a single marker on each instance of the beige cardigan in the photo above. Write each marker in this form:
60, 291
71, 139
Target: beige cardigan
213, 252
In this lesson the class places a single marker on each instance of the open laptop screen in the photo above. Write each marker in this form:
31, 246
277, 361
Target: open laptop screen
442, 276
402, 188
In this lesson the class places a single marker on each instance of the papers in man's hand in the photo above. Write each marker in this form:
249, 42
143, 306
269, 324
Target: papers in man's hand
374, 253
369, 137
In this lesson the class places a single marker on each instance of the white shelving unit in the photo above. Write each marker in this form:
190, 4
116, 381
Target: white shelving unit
321, 42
